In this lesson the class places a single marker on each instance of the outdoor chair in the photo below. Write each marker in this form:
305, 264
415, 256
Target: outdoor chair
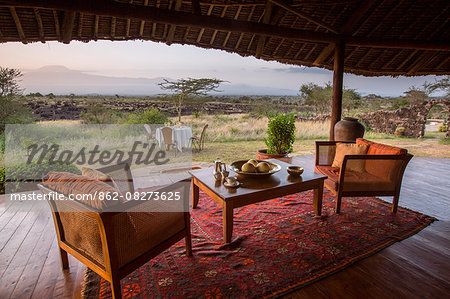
114, 243
150, 135
198, 142
168, 139
379, 172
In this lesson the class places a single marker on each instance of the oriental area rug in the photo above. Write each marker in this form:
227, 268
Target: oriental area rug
278, 246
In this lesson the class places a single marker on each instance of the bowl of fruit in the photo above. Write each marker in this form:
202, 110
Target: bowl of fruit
254, 168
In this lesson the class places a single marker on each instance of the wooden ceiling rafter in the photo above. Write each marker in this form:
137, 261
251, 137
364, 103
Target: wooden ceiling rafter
113, 27
118, 9
40, 25
80, 25
301, 14
227, 37
444, 61
213, 37
265, 20
196, 8
142, 22
128, 24
171, 33
347, 29
67, 26
392, 59
96, 21
19, 28
202, 30
411, 55
57, 27
421, 61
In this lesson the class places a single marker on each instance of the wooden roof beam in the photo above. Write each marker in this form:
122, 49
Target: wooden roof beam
56, 19
127, 28
171, 33
301, 14
147, 13
196, 9
266, 19
19, 28
80, 25
40, 26
96, 21
348, 28
142, 25
113, 27
421, 61
200, 35
67, 26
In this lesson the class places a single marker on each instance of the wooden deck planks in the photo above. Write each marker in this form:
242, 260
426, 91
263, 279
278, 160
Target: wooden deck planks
415, 267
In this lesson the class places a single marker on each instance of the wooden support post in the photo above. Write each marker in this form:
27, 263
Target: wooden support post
338, 78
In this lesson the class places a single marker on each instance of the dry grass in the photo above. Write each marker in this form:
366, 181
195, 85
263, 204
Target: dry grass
237, 127
239, 136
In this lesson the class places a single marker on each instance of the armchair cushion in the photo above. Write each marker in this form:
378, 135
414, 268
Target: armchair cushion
343, 149
355, 181
98, 175
79, 186
382, 168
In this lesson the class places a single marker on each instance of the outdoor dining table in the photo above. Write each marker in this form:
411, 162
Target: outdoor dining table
182, 135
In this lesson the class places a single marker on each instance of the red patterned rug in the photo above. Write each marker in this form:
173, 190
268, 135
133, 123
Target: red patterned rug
278, 246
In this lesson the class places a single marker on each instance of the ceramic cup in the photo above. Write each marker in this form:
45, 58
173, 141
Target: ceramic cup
231, 180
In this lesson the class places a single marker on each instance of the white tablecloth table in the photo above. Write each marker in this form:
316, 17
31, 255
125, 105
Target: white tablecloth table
181, 135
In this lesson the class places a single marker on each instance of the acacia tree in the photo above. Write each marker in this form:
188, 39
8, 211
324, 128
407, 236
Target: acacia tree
183, 88
8, 81
320, 97
11, 111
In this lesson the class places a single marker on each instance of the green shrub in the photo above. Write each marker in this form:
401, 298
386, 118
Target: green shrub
443, 128
280, 134
17, 175
97, 114
2, 180
147, 116
13, 112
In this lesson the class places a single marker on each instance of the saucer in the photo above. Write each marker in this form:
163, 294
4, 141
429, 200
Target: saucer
231, 186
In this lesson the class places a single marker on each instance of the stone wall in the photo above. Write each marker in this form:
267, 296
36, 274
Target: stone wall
412, 118
71, 109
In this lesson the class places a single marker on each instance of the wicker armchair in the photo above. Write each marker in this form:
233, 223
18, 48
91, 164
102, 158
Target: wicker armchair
382, 176
114, 244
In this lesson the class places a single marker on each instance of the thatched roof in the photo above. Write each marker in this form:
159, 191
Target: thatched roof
382, 37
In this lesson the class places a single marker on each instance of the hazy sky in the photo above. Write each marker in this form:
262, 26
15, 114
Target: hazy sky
137, 59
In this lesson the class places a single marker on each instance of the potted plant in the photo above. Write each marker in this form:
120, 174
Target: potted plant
399, 131
280, 137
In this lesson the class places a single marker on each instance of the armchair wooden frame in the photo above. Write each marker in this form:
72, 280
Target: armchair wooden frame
111, 271
341, 192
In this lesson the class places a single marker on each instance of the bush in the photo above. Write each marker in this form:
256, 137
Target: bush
2, 180
280, 134
97, 114
443, 128
13, 112
147, 116
17, 175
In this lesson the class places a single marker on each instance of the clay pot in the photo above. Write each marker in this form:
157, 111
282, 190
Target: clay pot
263, 155
348, 129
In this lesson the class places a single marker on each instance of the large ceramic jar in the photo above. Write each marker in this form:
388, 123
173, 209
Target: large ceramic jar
348, 129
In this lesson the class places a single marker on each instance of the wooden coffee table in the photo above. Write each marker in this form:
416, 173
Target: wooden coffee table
254, 190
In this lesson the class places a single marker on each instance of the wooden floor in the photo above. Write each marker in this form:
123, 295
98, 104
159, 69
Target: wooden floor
418, 267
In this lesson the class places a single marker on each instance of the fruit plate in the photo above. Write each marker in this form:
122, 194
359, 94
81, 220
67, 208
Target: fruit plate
237, 165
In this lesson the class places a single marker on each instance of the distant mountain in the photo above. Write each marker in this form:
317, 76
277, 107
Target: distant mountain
59, 79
